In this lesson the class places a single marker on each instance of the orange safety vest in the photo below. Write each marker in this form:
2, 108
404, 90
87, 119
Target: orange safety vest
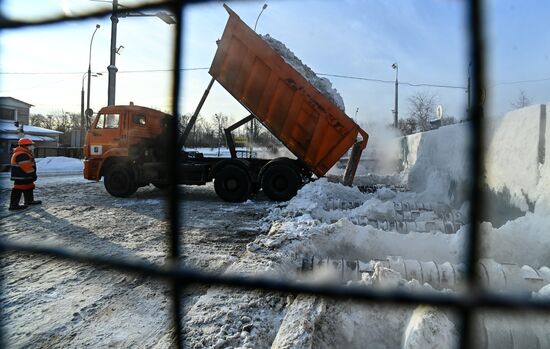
23, 169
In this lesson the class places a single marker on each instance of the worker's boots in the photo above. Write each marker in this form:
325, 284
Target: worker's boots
29, 198
14, 200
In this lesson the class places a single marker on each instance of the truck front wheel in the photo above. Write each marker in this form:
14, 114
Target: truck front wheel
280, 182
119, 181
232, 184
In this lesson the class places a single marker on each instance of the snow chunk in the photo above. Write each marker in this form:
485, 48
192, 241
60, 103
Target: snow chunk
543, 293
322, 84
429, 328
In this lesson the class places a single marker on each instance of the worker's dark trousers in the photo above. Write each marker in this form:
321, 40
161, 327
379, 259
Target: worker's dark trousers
29, 197
15, 197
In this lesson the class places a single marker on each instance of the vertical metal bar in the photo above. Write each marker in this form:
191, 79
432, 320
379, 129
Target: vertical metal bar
2, 316
173, 166
473, 241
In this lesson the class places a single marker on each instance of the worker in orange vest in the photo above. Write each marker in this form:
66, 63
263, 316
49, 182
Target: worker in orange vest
23, 173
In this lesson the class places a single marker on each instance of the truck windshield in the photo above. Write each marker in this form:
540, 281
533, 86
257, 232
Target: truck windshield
108, 121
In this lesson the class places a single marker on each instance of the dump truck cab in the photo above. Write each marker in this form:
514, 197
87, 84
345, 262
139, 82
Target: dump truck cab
119, 137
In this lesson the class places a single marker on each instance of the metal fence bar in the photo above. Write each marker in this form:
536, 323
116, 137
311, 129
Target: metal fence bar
468, 302
184, 275
173, 165
475, 114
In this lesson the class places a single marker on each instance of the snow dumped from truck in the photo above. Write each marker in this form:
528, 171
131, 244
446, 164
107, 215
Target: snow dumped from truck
421, 226
322, 84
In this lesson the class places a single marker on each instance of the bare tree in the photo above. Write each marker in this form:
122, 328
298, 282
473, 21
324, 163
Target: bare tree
59, 121
222, 122
421, 109
38, 120
407, 126
521, 101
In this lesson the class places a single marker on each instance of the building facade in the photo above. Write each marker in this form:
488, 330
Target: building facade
14, 124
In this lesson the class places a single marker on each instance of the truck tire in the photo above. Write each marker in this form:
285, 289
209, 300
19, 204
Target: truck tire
232, 184
280, 182
119, 181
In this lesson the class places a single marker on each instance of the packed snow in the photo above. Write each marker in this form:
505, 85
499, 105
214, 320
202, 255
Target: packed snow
322, 84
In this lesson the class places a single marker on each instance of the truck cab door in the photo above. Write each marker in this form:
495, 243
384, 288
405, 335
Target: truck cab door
106, 133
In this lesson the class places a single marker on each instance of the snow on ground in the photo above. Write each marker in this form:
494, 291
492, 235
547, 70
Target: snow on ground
322, 84
329, 220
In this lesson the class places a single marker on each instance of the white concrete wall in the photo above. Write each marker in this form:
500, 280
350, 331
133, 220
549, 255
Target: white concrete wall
512, 154
543, 188
438, 162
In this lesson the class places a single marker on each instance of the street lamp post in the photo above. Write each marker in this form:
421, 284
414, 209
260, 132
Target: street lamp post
82, 127
90, 70
83, 118
253, 122
263, 8
112, 69
396, 105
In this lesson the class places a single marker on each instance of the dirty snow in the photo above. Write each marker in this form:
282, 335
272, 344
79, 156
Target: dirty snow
322, 84
325, 219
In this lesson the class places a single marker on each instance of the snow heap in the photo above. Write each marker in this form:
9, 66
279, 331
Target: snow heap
322, 84
58, 164
437, 163
518, 155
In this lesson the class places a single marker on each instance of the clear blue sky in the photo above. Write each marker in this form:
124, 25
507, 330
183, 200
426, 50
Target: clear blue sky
360, 38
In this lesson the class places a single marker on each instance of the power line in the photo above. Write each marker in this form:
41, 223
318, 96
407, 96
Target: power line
351, 77
81, 72
391, 81
520, 81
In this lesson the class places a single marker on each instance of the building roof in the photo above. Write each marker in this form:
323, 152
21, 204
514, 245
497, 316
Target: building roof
14, 101
34, 138
9, 127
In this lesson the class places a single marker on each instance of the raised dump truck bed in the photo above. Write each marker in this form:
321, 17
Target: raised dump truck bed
288, 105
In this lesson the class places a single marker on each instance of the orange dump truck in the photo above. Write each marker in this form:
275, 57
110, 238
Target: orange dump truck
275, 94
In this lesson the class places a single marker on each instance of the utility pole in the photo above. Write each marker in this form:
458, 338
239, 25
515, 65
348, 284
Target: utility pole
112, 64
164, 16
469, 82
396, 105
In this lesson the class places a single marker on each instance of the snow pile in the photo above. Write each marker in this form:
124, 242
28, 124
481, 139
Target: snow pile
438, 163
524, 240
515, 149
322, 84
543, 293
57, 164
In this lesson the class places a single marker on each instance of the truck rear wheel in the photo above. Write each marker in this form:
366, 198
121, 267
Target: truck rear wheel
232, 184
280, 182
119, 181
